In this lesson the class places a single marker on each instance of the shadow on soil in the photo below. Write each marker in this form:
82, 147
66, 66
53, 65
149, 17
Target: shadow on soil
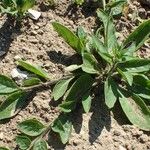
87, 9
8, 32
66, 60
99, 120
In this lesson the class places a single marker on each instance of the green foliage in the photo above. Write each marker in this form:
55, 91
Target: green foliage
34, 69
23, 142
12, 105
63, 126
69, 37
79, 2
16, 8
31, 82
114, 67
60, 88
120, 70
76, 92
86, 102
40, 145
31, 127
139, 35
7, 86
113, 7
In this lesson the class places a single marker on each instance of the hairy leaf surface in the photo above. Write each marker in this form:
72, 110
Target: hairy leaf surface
34, 69
12, 105
23, 142
63, 126
31, 127
40, 145
68, 36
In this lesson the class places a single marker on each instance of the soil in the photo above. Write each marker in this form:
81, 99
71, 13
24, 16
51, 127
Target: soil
38, 43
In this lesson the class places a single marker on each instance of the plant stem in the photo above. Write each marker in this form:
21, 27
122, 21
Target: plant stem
41, 136
45, 85
104, 4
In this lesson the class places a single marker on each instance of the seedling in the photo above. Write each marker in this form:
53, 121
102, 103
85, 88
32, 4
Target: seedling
112, 6
17, 8
115, 67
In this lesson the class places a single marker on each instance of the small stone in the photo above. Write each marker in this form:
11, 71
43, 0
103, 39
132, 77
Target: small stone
26, 50
144, 138
117, 133
122, 148
34, 14
142, 13
34, 41
18, 74
36, 27
40, 32
17, 57
1, 136
76, 142
34, 32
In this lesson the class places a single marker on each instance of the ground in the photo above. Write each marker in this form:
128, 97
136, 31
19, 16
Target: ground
38, 43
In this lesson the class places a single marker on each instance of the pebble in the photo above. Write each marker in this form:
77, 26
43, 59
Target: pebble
40, 32
25, 49
36, 27
143, 138
122, 148
34, 41
117, 133
17, 57
142, 13
18, 74
33, 14
34, 32
1, 136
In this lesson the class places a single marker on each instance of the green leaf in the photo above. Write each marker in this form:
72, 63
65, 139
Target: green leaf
34, 69
63, 126
90, 64
81, 34
31, 127
129, 49
139, 35
3, 148
111, 93
67, 106
23, 142
101, 49
110, 40
24, 5
60, 88
116, 6
12, 105
142, 80
76, 92
79, 2
135, 109
31, 82
127, 76
69, 37
86, 102
7, 85
40, 145
135, 65
141, 91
